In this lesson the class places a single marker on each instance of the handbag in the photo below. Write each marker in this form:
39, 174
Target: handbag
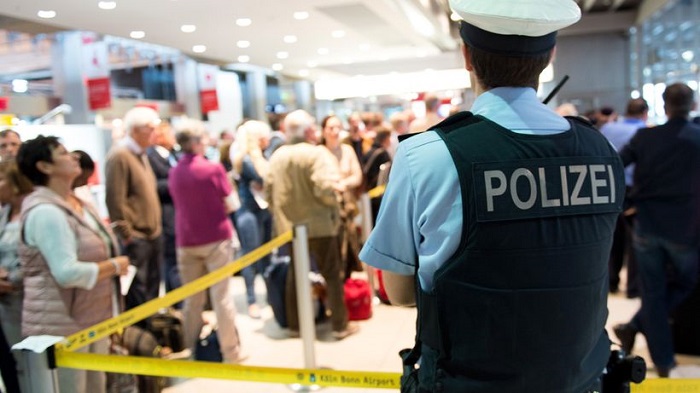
118, 382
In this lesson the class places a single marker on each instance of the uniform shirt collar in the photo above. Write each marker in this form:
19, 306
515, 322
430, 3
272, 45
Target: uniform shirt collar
518, 109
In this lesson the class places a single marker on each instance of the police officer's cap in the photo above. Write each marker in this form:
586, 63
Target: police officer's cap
514, 27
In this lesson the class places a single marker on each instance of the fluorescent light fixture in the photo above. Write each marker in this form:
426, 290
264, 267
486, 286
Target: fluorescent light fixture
46, 14
277, 67
301, 15
376, 85
188, 28
304, 72
20, 85
290, 39
338, 33
137, 34
243, 59
244, 22
243, 44
199, 48
107, 5
282, 55
323, 51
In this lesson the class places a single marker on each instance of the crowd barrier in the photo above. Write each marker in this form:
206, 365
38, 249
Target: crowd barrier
40, 365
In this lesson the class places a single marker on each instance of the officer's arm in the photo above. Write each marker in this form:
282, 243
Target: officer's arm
400, 289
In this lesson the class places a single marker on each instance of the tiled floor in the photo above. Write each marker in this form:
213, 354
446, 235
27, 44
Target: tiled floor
374, 348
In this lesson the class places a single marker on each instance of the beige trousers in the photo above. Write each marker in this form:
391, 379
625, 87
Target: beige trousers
195, 262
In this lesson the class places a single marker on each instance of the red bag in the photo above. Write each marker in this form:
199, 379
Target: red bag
358, 299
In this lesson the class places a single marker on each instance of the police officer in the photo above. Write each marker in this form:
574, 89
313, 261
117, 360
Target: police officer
504, 217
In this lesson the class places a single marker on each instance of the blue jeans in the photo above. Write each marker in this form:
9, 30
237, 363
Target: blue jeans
656, 257
254, 228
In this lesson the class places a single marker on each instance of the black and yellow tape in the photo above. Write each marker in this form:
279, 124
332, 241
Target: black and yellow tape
105, 328
189, 369
665, 385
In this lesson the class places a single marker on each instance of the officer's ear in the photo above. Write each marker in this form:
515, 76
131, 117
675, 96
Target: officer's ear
467, 58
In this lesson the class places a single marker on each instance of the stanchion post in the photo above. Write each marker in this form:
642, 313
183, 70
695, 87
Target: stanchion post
302, 267
367, 225
39, 374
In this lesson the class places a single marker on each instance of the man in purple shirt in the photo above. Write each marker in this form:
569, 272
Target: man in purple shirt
203, 198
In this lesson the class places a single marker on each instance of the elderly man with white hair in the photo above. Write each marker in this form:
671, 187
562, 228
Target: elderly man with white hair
133, 204
301, 186
203, 199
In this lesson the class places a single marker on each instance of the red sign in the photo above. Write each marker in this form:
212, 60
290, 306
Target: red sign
99, 95
209, 101
152, 105
4, 103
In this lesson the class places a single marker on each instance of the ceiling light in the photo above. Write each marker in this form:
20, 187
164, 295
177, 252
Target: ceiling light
338, 33
137, 34
301, 15
243, 59
20, 85
107, 5
188, 28
290, 39
277, 67
46, 14
323, 51
312, 64
282, 55
199, 48
243, 44
303, 72
244, 22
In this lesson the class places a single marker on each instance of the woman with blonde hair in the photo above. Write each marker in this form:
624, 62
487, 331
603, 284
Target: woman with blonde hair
253, 220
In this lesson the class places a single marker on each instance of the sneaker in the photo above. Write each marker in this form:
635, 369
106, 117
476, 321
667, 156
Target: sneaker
352, 328
626, 334
254, 311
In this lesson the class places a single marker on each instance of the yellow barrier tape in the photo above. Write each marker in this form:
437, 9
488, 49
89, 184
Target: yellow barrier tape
665, 385
376, 192
190, 369
105, 328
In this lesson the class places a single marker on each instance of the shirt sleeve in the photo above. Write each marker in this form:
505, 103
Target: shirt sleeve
420, 217
391, 245
46, 228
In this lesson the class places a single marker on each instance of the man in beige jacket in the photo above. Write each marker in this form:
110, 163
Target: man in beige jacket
302, 187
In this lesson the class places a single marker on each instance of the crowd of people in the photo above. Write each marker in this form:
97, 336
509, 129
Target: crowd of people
544, 212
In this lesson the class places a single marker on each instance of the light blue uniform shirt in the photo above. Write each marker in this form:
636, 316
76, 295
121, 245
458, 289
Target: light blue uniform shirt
619, 134
421, 212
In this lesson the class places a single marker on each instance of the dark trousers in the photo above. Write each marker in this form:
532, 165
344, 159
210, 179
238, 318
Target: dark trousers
325, 251
8, 368
146, 255
620, 252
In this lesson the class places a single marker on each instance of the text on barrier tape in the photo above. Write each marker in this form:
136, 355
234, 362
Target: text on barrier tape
189, 369
376, 192
666, 385
130, 317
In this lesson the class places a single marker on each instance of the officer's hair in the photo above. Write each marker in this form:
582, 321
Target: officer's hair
494, 70
636, 107
679, 100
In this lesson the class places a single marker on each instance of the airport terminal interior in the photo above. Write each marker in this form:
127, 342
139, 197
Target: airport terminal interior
73, 68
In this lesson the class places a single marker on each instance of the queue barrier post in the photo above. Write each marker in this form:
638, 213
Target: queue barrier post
307, 328
39, 371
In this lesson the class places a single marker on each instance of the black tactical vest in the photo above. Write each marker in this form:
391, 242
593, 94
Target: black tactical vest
521, 306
